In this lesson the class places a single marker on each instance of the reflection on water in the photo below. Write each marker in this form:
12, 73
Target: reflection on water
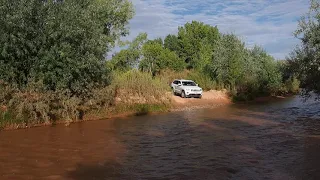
276, 140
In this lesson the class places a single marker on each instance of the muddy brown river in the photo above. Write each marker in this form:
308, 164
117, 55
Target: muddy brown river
274, 140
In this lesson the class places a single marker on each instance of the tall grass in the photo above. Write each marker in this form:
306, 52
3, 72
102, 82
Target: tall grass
133, 91
35, 105
136, 87
168, 75
204, 81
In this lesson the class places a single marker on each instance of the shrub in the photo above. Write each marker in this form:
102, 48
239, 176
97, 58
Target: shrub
34, 105
168, 75
62, 43
204, 81
135, 87
292, 85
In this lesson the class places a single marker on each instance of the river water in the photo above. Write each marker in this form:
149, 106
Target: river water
274, 140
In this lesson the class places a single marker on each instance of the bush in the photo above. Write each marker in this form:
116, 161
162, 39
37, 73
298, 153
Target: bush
62, 43
291, 86
132, 91
136, 87
168, 75
203, 80
34, 105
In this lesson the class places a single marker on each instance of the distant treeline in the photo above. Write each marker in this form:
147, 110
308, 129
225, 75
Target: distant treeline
221, 60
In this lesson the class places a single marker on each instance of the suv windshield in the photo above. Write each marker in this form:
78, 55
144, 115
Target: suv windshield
188, 83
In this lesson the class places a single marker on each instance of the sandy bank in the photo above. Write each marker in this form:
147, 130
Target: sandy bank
209, 99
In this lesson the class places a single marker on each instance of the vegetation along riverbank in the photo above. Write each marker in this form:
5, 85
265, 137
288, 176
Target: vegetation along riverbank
54, 69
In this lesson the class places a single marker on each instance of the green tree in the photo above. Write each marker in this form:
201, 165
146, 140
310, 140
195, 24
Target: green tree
191, 36
305, 60
128, 58
157, 58
228, 61
158, 40
171, 42
61, 43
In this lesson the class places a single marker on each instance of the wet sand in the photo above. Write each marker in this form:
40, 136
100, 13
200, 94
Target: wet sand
210, 99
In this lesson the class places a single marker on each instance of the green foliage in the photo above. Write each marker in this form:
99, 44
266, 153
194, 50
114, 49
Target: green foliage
215, 60
192, 37
136, 87
228, 61
62, 43
171, 42
52, 57
128, 58
33, 104
168, 75
292, 85
125, 60
157, 58
204, 81
267, 70
305, 60
52, 61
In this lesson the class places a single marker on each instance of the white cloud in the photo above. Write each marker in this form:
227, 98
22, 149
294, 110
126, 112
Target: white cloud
268, 23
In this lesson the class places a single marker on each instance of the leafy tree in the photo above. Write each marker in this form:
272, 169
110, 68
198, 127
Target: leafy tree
220, 60
128, 58
191, 36
266, 71
171, 42
124, 60
305, 60
156, 58
159, 41
61, 43
228, 61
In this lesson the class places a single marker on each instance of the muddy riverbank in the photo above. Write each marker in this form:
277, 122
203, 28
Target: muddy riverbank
211, 99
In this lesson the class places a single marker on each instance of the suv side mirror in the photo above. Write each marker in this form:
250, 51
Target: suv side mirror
179, 84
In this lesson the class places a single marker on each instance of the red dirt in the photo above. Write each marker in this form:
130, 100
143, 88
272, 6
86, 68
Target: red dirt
209, 99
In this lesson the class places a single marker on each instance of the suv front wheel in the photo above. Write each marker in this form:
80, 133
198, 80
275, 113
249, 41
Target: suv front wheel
174, 92
183, 94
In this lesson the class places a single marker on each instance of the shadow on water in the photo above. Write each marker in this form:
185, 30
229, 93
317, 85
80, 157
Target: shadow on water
142, 111
108, 170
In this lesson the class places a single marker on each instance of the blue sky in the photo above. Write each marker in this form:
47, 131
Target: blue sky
268, 23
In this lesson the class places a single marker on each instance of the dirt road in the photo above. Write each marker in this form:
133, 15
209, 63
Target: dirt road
209, 99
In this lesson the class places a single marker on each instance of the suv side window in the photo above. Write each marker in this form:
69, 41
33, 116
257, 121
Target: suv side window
179, 82
175, 82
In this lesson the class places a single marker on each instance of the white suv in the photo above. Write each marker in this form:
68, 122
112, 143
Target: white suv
186, 88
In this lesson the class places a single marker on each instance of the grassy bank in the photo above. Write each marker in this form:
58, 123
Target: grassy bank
132, 92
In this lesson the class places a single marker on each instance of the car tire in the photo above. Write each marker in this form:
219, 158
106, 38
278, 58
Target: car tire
183, 94
174, 92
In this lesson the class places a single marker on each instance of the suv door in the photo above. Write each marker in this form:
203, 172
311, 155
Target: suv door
178, 87
174, 85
